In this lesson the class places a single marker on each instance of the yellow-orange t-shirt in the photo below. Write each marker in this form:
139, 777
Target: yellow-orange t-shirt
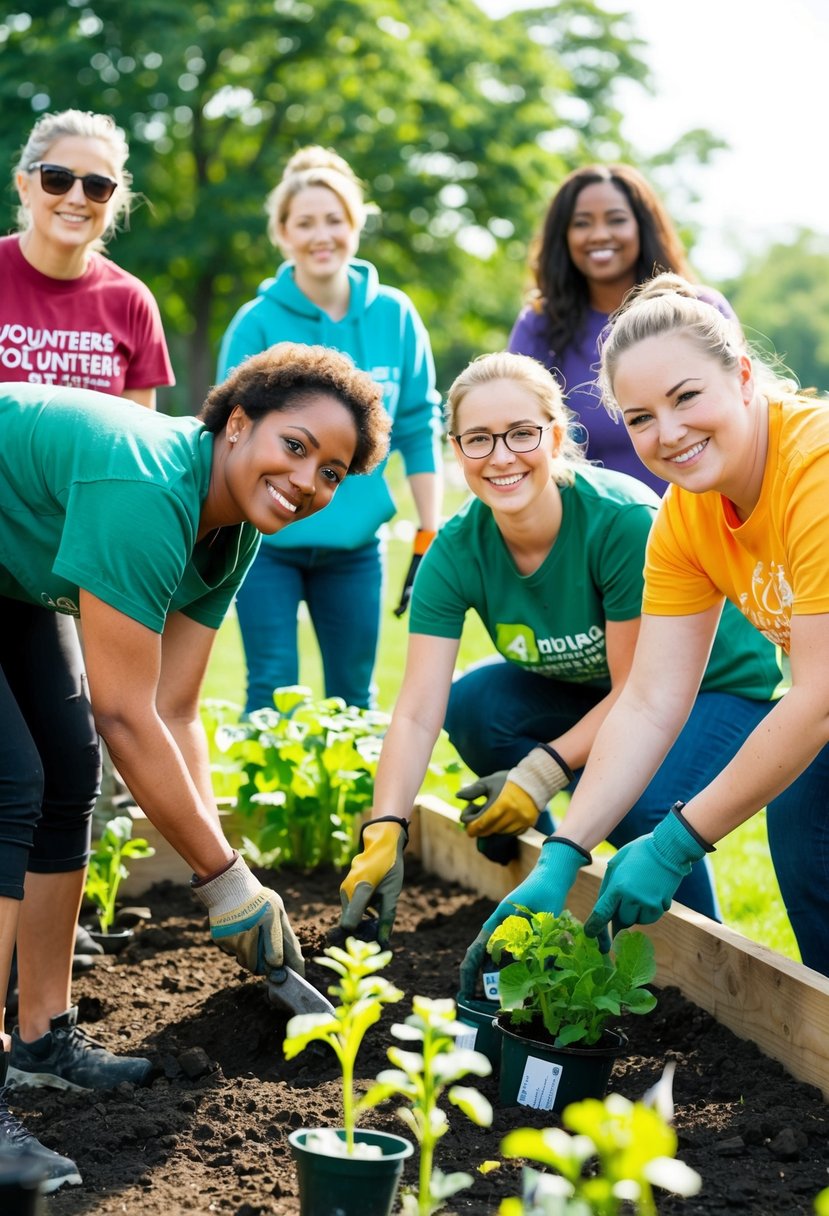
776, 563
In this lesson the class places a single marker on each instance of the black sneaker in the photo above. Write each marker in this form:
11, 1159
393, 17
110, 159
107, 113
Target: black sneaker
22, 1157
67, 1058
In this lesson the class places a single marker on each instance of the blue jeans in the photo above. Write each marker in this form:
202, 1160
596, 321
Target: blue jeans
497, 713
342, 588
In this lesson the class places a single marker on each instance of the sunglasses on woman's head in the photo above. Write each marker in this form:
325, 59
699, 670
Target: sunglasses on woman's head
55, 179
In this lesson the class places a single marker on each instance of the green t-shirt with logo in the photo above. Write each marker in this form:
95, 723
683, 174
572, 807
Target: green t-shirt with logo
102, 494
553, 621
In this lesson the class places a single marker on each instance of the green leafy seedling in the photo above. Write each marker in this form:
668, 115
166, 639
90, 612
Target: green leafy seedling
360, 995
561, 975
304, 776
107, 866
632, 1144
420, 1078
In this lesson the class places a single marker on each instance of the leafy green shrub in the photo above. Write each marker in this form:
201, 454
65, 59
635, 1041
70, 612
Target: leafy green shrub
632, 1147
361, 994
305, 776
561, 975
420, 1077
107, 866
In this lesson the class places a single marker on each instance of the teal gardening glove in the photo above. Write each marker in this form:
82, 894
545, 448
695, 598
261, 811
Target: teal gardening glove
375, 878
642, 878
248, 920
543, 890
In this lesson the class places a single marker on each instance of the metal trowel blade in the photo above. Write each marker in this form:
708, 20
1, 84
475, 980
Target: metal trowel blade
288, 990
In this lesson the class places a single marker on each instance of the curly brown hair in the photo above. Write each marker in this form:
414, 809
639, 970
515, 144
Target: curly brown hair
285, 376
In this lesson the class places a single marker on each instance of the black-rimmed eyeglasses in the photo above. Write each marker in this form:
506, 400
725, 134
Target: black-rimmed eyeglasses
55, 179
518, 439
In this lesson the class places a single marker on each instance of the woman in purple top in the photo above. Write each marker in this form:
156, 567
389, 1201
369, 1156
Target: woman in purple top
605, 231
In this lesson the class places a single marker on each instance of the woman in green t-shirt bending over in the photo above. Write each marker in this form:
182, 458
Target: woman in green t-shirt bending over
142, 526
550, 554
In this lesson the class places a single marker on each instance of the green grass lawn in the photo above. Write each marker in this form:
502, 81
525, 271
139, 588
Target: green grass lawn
746, 883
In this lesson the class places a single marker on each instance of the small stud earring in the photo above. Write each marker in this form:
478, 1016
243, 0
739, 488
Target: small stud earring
232, 438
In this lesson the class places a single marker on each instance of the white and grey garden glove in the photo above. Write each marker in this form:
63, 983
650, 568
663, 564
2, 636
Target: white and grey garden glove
248, 920
513, 799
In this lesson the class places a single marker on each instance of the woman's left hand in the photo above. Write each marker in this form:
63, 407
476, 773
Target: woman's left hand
641, 879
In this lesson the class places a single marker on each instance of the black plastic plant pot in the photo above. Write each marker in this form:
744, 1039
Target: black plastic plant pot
112, 942
349, 1186
538, 1075
484, 1035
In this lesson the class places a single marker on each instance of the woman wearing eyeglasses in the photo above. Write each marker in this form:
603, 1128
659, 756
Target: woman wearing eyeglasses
73, 316
549, 554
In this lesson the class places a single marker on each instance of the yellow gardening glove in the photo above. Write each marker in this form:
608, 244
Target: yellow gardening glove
514, 799
375, 879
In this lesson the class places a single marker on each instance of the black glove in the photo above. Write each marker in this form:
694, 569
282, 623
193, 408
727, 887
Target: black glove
423, 540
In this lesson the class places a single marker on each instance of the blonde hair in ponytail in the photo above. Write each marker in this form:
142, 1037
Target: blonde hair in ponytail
316, 166
668, 304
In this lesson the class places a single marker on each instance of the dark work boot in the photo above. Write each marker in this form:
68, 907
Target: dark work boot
67, 1058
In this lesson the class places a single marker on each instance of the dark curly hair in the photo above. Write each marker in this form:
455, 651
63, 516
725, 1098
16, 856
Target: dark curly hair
285, 376
562, 290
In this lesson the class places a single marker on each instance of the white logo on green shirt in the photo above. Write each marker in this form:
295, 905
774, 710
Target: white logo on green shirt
516, 642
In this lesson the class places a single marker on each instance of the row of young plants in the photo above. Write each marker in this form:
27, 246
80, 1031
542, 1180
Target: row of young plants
301, 775
614, 1152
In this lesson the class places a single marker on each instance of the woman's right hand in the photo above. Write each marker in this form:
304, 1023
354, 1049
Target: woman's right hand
375, 879
249, 921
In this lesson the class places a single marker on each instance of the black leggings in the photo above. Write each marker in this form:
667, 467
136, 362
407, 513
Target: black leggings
50, 761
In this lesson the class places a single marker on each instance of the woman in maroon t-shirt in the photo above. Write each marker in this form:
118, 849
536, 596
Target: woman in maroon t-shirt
74, 317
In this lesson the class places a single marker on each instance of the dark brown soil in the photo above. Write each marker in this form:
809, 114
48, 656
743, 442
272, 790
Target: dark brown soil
210, 1132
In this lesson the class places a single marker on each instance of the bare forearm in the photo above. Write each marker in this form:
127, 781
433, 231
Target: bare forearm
774, 754
407, 750
628, 749
427, 492
191, 741
576, 744
155, 770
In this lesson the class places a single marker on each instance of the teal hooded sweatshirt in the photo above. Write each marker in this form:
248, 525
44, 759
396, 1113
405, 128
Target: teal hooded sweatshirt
384, 335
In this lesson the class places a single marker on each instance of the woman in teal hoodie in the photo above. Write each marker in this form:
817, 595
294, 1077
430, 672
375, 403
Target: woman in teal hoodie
323, 295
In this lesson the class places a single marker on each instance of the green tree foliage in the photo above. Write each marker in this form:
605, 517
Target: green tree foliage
782, 299
459, 124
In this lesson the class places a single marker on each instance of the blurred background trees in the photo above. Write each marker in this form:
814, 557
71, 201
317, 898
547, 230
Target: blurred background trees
460, 125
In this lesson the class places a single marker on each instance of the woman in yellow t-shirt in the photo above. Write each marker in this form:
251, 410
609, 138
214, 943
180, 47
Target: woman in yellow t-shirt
746, 518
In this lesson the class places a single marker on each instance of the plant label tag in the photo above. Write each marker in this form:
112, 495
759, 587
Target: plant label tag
539, 1084
491, 985
467, 1039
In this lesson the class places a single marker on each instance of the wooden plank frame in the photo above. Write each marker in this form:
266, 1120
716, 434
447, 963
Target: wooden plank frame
758, 994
